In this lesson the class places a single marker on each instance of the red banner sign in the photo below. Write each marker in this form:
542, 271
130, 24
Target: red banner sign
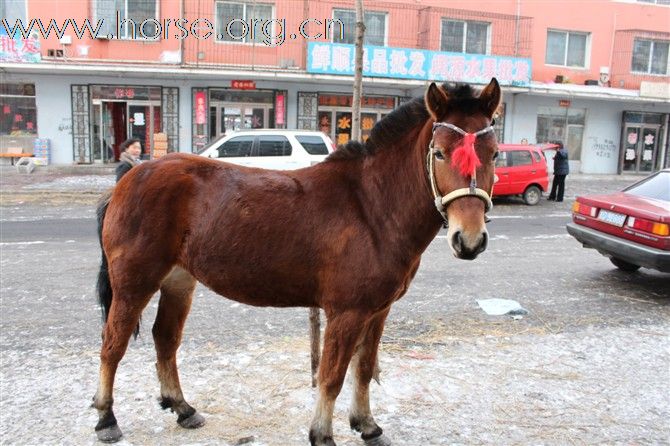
279, 109
200, 107
242, 85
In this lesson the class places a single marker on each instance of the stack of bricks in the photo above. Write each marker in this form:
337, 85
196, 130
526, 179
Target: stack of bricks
160, 145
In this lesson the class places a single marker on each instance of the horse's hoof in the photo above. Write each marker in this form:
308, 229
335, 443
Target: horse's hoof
193, 422
110, 434
381, 440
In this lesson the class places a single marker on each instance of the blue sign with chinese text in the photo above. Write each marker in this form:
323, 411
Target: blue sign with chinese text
408, 63
19, 49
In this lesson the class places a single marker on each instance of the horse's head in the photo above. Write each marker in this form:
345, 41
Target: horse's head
460, 161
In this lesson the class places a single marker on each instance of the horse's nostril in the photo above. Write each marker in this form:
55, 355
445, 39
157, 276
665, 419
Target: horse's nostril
457, 242
484, 243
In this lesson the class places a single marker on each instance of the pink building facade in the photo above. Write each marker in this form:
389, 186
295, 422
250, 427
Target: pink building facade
196, 69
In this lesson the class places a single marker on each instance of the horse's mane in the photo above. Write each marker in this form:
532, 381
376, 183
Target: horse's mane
397, 125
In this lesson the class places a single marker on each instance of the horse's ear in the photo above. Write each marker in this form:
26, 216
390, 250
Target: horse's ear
491, 97
436, 101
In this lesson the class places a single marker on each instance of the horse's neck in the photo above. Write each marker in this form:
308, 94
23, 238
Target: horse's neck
396, 184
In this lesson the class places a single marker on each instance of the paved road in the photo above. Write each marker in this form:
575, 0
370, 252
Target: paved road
588, 365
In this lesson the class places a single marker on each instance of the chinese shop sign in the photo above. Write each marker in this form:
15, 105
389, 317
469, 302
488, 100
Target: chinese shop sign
409, 63
242, 85
19, 49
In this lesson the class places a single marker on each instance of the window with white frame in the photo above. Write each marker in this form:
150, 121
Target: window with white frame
650, 56
13, 10
465, 36
243, 22
137, 19
375, 27
567, 48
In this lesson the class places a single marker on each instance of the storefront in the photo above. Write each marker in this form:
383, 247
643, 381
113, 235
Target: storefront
120, 113
642, 142
334, 114
217, 111
103, 116
564, 123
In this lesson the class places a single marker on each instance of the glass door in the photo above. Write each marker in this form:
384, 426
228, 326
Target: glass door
649, 144
103, 139
630, 152
640, 148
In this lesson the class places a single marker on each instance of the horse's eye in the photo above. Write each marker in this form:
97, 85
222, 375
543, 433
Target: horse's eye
438, 155
493, 122
495, 156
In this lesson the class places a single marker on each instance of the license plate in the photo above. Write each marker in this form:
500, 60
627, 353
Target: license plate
612, 218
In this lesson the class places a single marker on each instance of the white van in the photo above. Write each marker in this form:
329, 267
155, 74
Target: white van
271, 148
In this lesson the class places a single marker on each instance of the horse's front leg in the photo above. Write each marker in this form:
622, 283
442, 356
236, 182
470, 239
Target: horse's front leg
363, 367
342, 334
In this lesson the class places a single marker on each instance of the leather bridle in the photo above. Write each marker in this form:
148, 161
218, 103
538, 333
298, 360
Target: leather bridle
441, 202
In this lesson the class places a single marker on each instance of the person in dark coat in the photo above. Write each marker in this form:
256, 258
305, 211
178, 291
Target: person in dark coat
561, 170
131, 150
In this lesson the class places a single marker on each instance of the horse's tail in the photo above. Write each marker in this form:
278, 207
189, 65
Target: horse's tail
104, 287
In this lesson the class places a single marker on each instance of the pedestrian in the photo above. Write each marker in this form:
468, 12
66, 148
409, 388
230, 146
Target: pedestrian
561, 170
131, 149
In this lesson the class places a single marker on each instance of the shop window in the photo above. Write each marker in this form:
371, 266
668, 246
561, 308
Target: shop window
465, 36
18, 116
650, 56
233, 21
375, 27
562, 124
137, 18
567, 48
13, 10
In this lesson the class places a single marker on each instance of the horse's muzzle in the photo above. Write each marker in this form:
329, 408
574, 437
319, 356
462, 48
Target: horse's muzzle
467, 251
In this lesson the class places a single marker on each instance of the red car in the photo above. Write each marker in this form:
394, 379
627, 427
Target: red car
521, 170
631, 227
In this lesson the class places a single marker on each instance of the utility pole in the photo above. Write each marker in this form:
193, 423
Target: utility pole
358, 73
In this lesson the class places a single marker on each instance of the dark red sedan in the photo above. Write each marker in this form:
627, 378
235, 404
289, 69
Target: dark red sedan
631, 227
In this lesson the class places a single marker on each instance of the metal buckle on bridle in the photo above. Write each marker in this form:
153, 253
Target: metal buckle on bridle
441, 202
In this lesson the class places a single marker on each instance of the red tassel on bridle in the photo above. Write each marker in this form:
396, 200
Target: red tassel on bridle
465, 157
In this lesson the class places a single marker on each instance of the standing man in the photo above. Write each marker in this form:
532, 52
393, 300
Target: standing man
561, 170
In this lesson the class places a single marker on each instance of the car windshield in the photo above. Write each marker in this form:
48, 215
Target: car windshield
656, 186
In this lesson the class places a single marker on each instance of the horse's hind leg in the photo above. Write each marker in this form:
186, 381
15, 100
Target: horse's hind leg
124, 314
174, 305
363, 367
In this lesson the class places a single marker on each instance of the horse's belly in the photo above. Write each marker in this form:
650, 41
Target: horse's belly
261, 290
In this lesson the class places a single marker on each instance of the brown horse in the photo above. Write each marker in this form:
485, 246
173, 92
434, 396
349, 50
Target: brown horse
345, 235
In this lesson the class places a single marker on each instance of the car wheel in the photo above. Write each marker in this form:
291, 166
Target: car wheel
532, 195
623, 265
